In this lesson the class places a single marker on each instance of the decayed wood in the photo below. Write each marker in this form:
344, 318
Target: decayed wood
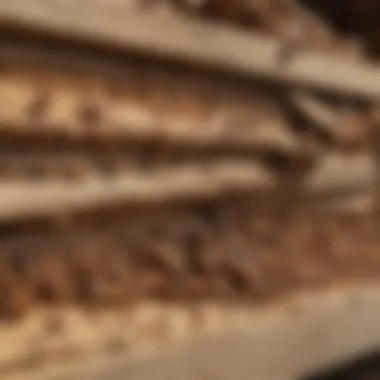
193, 41
331, 316
20, 199
134, 121
321, 330
209, 340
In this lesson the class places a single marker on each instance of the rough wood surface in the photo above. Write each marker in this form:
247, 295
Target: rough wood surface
322, 328
279, 203
193, 41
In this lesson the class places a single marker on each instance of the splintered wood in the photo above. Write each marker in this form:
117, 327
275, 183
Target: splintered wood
181, 152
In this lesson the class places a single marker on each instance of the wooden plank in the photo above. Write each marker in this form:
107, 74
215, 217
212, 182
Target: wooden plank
194, 41
23, 199
20, 199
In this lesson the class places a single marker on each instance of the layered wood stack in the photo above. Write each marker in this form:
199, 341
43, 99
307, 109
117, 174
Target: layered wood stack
222, 150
